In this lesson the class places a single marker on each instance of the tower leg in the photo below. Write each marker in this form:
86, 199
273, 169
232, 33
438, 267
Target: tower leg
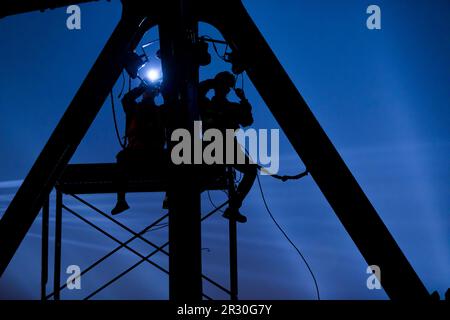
317, 152
178, 34
66, 137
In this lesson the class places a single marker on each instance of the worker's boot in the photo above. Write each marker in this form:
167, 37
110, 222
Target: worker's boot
234, 214
120, 207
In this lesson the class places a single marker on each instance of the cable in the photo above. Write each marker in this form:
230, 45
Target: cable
212, 203
283, 178
288, 239
278, 177
158, 227
115, 121
286, 178
222, 57
123, 85
236, 179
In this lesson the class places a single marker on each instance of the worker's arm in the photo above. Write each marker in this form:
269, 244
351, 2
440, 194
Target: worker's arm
204, 87
129, 99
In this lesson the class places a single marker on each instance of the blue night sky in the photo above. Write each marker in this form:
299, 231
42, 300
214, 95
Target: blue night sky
382, 97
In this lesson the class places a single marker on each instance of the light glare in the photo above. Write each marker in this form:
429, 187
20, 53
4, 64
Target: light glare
153, 75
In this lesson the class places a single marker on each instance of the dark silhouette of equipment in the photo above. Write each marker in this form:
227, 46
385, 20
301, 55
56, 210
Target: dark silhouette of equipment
177, 20
134, 62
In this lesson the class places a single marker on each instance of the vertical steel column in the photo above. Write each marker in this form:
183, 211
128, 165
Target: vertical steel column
178, 35
44, 249
233, 242
58, 236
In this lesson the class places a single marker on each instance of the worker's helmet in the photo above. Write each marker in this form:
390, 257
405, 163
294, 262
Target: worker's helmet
226, 78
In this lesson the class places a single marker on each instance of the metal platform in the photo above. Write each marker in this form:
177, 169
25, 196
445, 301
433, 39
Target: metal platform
94, 178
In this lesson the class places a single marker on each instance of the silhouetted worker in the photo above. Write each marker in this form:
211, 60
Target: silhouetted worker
220, 113
145, 137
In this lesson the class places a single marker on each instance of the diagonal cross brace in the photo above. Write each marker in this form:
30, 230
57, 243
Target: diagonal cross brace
66, 137
315, 149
